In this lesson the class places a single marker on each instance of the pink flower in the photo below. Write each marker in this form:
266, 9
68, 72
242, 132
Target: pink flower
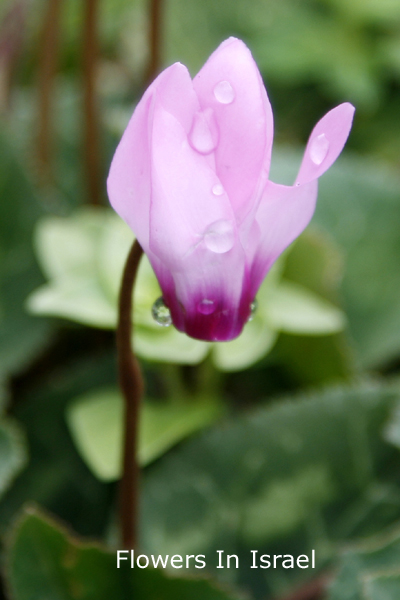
190, 177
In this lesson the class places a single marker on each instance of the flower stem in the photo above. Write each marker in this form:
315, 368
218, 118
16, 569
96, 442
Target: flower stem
92, 162
48, 63
131, 383
153, 67
12, 34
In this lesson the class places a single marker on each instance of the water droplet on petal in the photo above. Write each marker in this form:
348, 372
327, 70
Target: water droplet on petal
219, 236
218, 190
206, 307
253, 309
319, 149
161, 313
224, 92
203, 136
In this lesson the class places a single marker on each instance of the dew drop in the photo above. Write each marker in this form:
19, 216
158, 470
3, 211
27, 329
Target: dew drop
319, 149
161, 313
218, 190
224, 92
253, 309
203, 136
206, 307
219, 236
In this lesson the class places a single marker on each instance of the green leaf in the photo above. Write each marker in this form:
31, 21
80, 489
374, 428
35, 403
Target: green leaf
310, 361
95, 422
167, 344
256, 340
65, 246
294, 309
84, 256
288, 477
316, 262
382, 587
77, 300
370, 570
13, 454
44, 561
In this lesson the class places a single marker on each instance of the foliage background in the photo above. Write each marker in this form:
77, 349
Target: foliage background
285, 441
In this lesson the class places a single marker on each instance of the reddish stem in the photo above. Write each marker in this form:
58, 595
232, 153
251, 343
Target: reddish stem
48, 62
154, 65
131, 383
12, 33
91, 122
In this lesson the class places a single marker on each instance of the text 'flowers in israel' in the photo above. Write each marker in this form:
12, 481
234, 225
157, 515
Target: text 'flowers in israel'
190, 177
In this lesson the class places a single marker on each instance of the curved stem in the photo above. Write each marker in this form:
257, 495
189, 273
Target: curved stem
12, 34
131, 383
156, 9
92, 162
48, 63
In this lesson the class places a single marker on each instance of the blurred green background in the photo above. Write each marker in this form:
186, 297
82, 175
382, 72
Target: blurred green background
284, 440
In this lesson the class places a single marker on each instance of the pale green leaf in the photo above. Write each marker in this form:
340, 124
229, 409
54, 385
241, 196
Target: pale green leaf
167, 344
65, 246
80, 300
84, 256
254, 342
95, 422
294, 309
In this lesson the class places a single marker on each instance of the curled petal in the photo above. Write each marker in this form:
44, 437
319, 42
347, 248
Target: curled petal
283, 213
326, 142
231, 85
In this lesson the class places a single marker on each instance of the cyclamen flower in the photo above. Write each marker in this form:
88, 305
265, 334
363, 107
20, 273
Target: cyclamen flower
190, 177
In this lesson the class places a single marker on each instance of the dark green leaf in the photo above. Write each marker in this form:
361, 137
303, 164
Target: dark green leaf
296, 475
45, 562
369, 571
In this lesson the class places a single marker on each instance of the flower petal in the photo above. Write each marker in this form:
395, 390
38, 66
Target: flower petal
129, 181
185, 212
326, 142
283, 213
231, 85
